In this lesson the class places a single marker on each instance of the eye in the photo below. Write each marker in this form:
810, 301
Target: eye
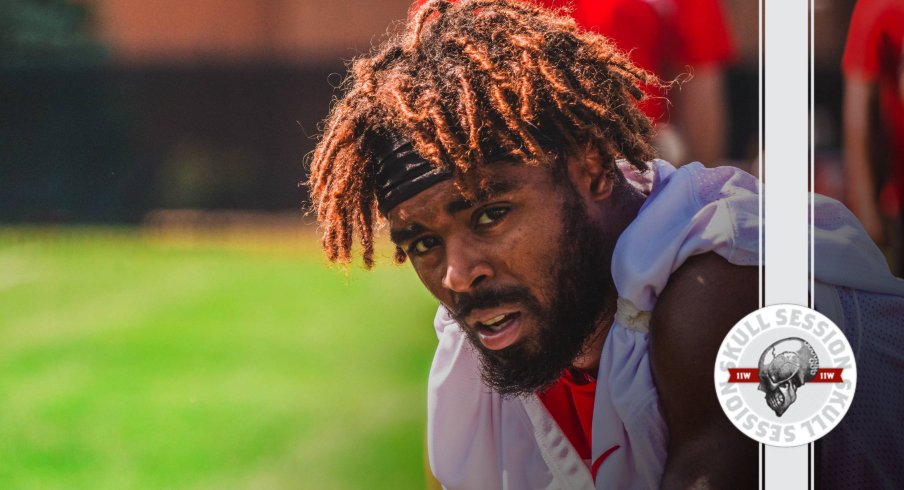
490, 216
422, 245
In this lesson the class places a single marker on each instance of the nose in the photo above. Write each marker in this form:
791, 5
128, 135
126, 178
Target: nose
466, 267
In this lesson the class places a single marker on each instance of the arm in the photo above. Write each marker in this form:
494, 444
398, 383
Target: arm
859, 95
701, 116
705, 43
704, 298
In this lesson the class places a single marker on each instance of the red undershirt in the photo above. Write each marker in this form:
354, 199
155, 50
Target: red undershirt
570, 402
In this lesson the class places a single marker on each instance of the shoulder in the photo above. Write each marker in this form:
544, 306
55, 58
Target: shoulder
700, 303
707, 291
703, 299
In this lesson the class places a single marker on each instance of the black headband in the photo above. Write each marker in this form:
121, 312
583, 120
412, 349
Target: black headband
401, 174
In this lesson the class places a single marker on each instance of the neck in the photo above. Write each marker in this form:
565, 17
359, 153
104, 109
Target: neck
589, 358
625, 205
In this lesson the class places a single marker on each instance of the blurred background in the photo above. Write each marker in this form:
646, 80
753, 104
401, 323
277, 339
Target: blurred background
166, 318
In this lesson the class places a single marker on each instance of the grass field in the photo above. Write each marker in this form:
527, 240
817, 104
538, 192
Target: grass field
129, 362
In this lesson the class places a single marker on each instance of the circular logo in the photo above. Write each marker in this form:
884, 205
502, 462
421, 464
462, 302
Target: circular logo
785, 375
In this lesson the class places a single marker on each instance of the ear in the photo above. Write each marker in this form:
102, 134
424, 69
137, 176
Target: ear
590, 174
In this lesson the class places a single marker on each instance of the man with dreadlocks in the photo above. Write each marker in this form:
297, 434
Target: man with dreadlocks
585, 288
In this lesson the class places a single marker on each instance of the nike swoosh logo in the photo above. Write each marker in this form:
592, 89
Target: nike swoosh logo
599, 461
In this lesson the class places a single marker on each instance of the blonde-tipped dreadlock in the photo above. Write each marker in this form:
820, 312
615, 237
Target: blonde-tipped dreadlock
464, 80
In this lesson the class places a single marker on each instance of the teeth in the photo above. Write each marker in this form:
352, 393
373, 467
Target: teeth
775, 401
492, 321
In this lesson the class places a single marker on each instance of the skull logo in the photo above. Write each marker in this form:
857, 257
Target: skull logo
784, 367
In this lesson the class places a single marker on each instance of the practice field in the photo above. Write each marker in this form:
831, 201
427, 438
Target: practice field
134, 362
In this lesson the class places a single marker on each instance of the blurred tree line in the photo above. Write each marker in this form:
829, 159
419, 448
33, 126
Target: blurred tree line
86, 138
41, 31
58, 126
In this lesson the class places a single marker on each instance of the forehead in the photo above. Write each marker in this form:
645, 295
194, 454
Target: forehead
445, 199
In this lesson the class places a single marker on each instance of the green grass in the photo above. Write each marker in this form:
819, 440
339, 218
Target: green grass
131, 363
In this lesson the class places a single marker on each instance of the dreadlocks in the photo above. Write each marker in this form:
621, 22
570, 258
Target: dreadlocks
465, 81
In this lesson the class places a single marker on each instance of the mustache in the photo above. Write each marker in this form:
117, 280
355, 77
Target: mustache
489, 298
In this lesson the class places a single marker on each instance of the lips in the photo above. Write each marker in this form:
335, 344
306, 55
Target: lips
498, 329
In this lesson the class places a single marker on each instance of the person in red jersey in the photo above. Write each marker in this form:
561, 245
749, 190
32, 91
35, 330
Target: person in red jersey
874, 110
670, 38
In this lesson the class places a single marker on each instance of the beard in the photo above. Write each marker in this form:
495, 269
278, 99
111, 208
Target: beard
580, 281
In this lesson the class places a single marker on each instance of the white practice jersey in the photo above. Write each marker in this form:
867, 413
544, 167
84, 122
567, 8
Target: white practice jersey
479, 440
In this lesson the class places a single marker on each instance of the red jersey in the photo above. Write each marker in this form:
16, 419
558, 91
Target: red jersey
662, 36
874, 52
570, 403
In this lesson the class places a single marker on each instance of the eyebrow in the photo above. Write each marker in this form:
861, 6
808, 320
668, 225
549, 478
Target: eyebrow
494, 189
405, 234
409, 232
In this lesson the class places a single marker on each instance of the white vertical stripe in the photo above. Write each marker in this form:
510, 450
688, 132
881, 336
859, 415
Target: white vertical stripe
786, 182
